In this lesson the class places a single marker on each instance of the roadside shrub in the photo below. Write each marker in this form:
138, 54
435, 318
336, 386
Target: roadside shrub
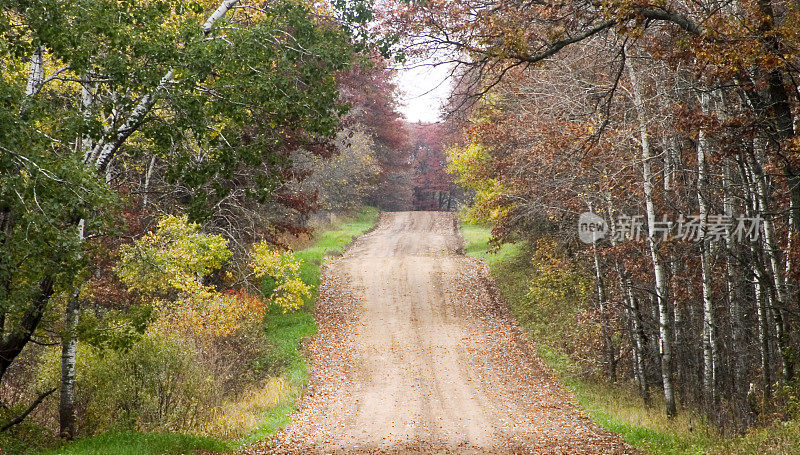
167, 268
281, 274
557, 301
167, 381
156, 384
201, 348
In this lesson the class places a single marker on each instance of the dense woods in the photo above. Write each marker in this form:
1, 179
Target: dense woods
676, 124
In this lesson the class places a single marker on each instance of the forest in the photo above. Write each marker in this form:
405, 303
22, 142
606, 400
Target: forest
175, 174
675, 123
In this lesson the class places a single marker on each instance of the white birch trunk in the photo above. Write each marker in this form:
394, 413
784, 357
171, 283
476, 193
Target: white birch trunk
635, 316
69, 351
36, 73
69, 346
87, 101
710, 356
221, 11
147, 178
662, 285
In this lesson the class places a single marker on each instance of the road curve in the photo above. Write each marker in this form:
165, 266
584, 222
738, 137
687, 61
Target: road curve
416, 353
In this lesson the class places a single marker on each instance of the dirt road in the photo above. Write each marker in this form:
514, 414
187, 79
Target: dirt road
416, 354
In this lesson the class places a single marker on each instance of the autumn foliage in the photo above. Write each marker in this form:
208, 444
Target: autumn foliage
670, 111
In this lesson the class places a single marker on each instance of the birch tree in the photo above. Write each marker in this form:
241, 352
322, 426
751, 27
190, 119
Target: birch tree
659, 269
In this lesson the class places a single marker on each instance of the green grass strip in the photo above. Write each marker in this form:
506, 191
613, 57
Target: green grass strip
285, 331
131, 443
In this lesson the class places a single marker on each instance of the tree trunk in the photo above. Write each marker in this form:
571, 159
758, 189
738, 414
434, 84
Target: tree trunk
11, 344
733, 278
147, 178
641, 342
710, 352
679, 338
776, 265
608, 345
659, 270
638, 337
669, 142
69, 350
763, 338
36, 73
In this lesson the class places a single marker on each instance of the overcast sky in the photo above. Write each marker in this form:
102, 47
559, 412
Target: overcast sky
422, 91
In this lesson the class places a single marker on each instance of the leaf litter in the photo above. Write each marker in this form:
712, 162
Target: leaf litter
416, 353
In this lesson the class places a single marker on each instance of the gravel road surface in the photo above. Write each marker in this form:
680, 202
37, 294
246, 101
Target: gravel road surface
416, 353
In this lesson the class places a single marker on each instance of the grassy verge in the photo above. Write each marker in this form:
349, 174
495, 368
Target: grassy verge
141, 443
262, 411
615, 408
782, 438
285, 331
